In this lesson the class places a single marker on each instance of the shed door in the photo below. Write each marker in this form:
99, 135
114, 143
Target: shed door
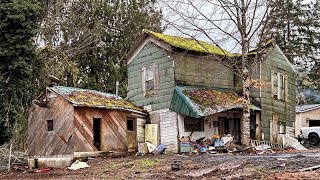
131, 134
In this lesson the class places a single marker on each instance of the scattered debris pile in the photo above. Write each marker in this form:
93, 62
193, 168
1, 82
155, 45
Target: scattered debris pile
226, 144
12, 159
149, 148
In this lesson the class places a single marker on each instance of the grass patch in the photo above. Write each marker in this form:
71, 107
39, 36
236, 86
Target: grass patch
139, 164
145, 163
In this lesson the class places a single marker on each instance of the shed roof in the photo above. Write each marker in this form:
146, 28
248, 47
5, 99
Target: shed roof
93, 98
305, 108
190, 44
199, 101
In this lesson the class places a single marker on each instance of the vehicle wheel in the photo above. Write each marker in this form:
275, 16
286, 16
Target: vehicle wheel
313, 139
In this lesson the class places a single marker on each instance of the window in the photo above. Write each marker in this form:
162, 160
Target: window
130, 125
278, 85
149, 80
50, 125
193, 124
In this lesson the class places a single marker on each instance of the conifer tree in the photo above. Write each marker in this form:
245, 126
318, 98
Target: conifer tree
18, 25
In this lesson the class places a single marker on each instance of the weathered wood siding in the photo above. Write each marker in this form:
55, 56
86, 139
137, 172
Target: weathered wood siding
284, 109
200, 71
113, 129
147, 56
46, 143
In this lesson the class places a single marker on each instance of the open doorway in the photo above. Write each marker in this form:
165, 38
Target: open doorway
97, 132
131, 134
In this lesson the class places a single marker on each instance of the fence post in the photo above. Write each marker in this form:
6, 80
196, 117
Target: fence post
9, 163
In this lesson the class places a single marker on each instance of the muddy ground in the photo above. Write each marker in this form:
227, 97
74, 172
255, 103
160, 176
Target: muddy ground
281, 165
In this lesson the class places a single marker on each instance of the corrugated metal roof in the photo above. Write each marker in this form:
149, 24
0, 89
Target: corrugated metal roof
304, 108
93, 98
199, 101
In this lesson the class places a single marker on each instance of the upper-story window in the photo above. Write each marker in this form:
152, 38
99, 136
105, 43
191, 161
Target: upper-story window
149, 80
278, 85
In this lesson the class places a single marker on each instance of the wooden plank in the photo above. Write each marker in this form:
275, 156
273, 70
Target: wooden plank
42, 142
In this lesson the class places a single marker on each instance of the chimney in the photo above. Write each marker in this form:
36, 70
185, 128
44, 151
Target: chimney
117, 89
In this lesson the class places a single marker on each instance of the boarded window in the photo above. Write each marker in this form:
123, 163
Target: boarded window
50, 125
193, 124
149, 80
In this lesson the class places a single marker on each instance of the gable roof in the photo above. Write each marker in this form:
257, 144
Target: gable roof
92, 98
200, 101
190, 44
167, 42
305, 108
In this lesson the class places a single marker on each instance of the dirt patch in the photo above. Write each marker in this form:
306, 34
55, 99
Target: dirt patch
205, 166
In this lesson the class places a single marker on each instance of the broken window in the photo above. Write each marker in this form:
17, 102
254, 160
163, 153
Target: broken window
149, 80
193, 124
130, 125
278, 85
50, 125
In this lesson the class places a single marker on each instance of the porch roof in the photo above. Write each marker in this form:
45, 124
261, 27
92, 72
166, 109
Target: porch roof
202, 101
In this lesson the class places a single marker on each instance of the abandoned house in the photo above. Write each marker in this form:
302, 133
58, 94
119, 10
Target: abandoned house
187, 93
307, 116
72, 122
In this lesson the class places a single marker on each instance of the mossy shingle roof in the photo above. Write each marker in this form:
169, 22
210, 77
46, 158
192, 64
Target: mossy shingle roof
199, 101
191, 44
93, 98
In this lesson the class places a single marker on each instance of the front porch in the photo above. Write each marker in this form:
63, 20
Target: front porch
207, 112
221, 124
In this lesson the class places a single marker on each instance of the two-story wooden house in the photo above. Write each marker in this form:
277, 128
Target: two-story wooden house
187, 93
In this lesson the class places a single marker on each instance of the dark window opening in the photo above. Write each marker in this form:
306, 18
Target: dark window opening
193, 124
50, 125
313, 123
96, 132
130, 125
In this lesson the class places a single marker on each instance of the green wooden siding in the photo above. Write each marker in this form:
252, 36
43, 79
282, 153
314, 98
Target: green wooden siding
285, 109
198, 71
147, 56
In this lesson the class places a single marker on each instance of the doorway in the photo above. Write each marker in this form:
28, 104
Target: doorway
131, 134
97, 133
253, 126
230, 126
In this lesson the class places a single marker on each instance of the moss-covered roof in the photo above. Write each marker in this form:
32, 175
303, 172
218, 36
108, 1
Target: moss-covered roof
200, 101
93, 98
190, 44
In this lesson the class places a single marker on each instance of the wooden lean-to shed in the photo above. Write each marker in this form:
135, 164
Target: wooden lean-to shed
71, 122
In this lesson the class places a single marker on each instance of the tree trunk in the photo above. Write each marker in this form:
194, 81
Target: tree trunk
245, 125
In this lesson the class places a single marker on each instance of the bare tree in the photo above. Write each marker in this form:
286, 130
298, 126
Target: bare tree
240, 24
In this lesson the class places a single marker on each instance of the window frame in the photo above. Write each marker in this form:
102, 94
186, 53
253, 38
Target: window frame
278, 85
189, 129
50, 125
144, 80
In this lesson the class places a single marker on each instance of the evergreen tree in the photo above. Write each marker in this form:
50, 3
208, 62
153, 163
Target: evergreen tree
18, 25
295, 25
86, 41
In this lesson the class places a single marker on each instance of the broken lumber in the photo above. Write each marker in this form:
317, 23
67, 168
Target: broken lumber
311, 168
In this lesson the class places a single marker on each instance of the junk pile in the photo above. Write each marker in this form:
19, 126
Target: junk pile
226, 144
149, 148
10, 159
